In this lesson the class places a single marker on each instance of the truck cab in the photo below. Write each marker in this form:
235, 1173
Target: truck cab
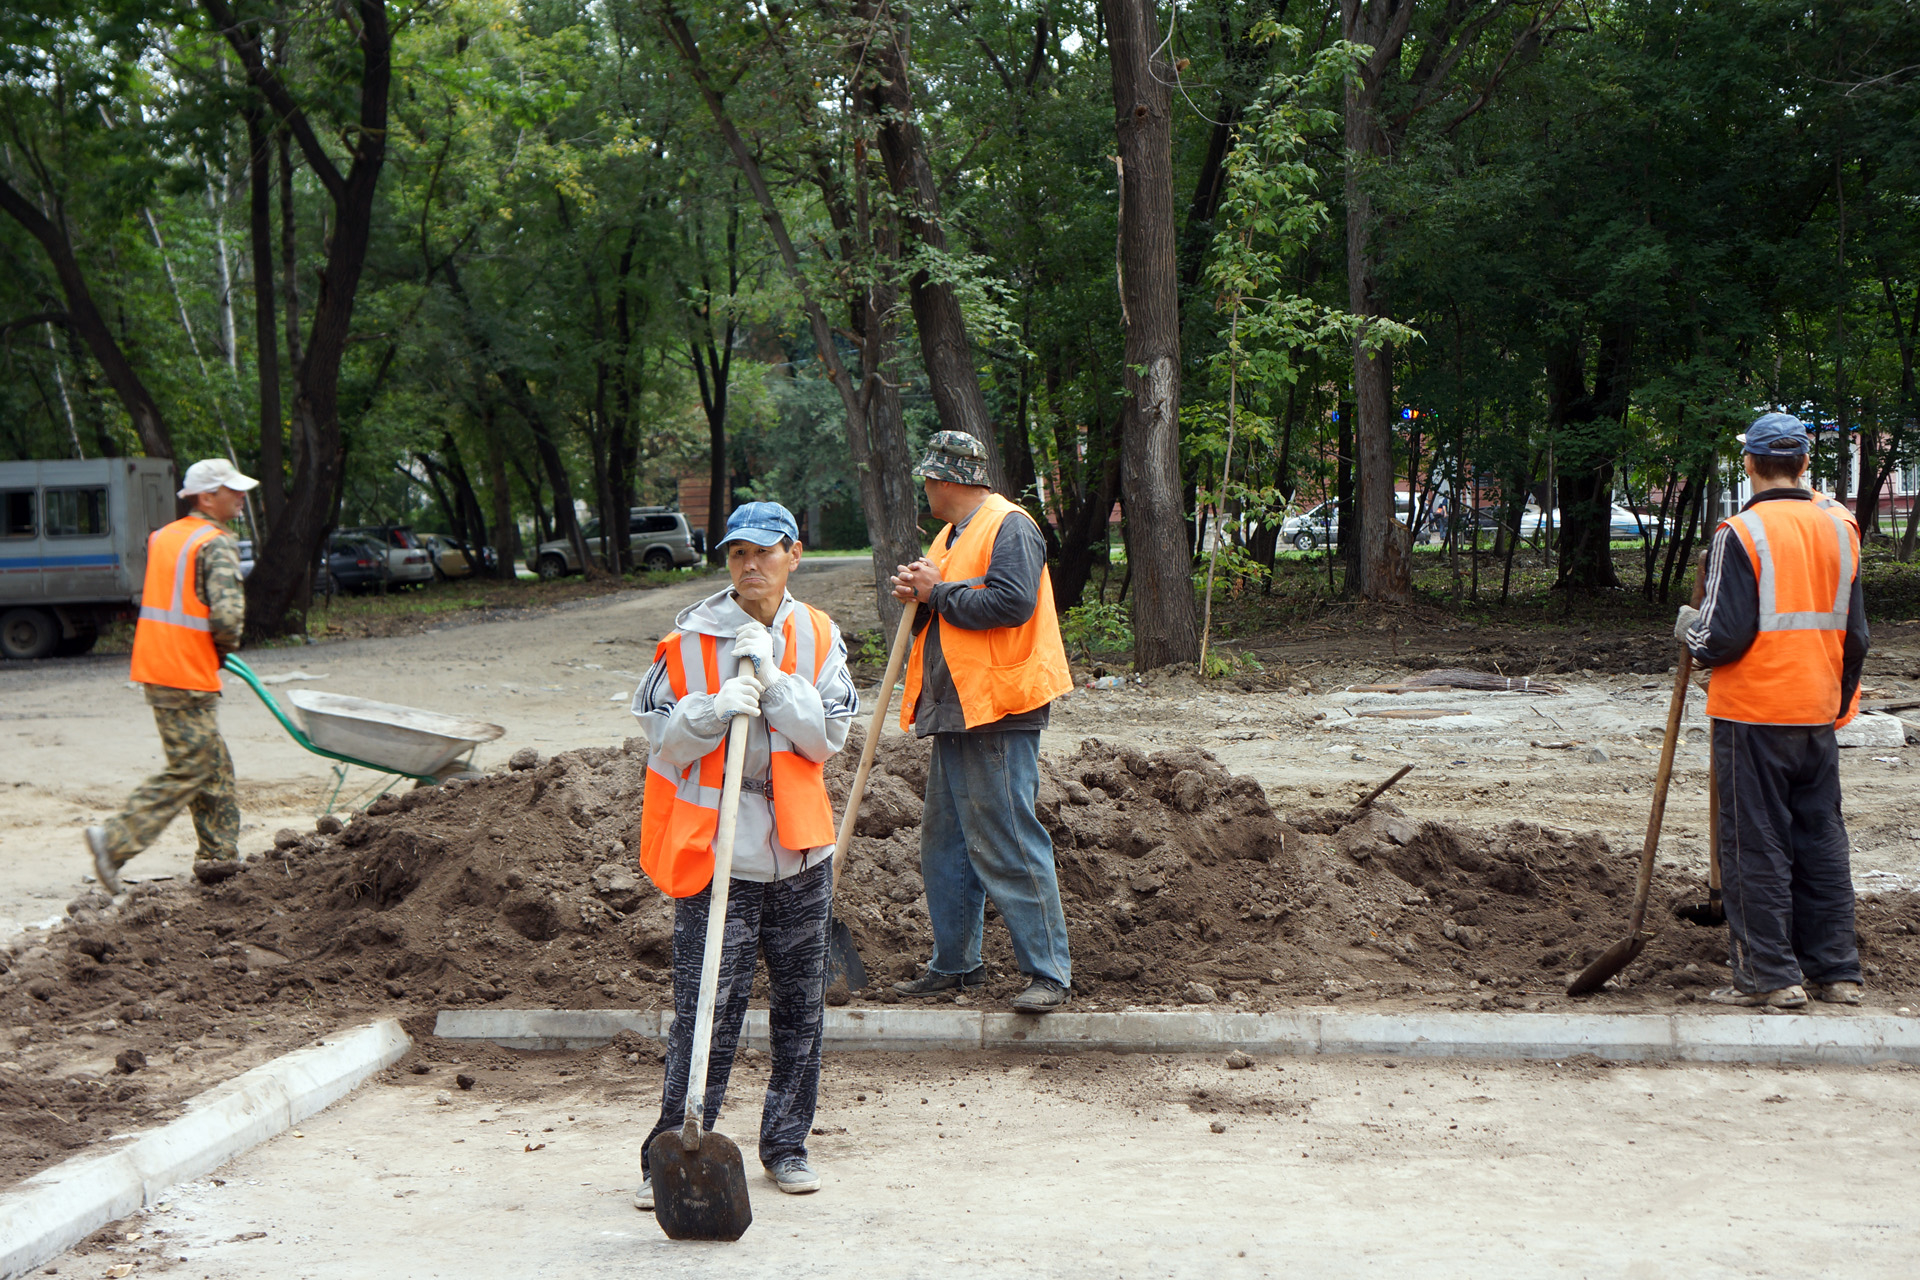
73, 548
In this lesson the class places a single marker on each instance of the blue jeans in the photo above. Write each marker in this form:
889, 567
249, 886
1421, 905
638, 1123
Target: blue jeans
980, 838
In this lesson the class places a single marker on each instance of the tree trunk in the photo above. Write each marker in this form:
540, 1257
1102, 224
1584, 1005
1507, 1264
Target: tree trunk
1164, 627
945, 350
1384, 555
84, 318
282, 577
504, 529
273, 460
1585, 427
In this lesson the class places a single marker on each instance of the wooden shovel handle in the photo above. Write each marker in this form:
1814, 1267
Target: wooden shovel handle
902, 636
716, 925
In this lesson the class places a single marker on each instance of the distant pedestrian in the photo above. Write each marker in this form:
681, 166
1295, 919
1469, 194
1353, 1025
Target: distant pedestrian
802, 703
1784, 628
192, 610
987, 664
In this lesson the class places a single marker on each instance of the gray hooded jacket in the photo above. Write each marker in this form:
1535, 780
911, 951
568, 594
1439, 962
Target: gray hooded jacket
815, 719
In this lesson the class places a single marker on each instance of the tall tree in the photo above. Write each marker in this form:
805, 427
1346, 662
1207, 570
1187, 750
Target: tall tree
1165, 628
282, 576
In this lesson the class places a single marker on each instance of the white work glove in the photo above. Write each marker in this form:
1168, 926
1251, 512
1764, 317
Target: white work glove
754, 643
739, 696
1685, 622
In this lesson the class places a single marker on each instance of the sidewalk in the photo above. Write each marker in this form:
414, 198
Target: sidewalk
1095, 1166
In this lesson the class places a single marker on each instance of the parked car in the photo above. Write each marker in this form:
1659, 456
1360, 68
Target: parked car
1320, 526
73, 548
449, 561
657, 539
407, 561
352, 564
246, 557
1622, 523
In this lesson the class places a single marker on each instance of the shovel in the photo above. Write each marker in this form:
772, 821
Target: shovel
843, 959
699, 1179
1713, 911
1622, 953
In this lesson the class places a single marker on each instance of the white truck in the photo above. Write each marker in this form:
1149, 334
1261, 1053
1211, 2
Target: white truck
73, 548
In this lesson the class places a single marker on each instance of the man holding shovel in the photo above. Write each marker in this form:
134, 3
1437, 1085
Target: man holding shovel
801, 702
987, 664
1784, 628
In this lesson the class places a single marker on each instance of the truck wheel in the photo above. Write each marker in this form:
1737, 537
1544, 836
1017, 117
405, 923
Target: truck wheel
659, 560
28, 633
550, 567
1305, 541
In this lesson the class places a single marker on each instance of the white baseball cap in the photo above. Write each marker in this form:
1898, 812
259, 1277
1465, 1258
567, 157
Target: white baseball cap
209, 474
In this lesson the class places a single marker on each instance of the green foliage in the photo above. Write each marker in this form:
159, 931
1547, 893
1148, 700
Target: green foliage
1097, 626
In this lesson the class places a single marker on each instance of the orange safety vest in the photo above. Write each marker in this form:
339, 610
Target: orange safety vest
1828, 503
680, 811
1002, 671
173, 640
1804, 556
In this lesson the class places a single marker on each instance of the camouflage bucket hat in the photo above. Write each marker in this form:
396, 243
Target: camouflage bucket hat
957, 457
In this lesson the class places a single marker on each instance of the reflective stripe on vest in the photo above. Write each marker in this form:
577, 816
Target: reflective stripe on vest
1805, 557
173, 639
1771, 619
175, 614
680, 809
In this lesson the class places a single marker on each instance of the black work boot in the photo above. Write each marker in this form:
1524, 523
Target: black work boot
1043, 995
932, 984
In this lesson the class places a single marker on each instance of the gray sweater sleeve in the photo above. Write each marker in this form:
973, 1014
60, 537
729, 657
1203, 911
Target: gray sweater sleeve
1007, 594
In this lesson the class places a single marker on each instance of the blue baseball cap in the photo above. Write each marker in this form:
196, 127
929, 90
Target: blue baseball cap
761, 523
1775, 435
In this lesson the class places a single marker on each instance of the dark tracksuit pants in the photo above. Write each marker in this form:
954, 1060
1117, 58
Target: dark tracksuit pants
787, 919
1787, 880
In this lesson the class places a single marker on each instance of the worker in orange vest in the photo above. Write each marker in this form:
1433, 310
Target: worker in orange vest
986, 666
192, 609
801, 702
1784, 628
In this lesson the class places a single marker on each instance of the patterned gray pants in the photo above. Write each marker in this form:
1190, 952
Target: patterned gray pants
787, 921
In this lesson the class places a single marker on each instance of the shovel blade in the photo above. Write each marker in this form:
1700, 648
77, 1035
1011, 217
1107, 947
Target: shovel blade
702, 1194
1611, 961
843, 958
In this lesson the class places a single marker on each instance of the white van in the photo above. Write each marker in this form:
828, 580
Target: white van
73, 548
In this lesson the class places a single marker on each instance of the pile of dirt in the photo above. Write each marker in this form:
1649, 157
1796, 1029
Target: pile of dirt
1180, 882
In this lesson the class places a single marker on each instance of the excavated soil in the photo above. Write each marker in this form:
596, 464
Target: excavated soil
1180, 882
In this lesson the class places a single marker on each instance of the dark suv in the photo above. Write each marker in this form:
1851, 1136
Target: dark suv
352, 564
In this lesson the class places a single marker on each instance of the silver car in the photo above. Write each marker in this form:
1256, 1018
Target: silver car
657, 539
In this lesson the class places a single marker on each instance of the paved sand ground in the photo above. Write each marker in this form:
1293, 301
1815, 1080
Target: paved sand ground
1097, 1166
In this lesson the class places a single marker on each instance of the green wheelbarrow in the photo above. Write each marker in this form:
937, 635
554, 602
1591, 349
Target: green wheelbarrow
402, 742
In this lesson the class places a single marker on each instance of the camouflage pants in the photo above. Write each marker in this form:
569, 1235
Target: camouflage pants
199, 774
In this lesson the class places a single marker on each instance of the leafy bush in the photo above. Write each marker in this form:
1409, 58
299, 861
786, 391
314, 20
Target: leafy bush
1097, 625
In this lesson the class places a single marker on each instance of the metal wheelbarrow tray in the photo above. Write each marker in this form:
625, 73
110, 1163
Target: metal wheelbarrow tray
375, 735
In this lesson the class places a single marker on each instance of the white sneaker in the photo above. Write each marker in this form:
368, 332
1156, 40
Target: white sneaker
794, 1176
103, 869
1793, 997
643, 1198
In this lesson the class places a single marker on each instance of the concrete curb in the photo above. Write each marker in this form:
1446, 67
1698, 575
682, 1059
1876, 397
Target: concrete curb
52, 1211
1836, 1039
